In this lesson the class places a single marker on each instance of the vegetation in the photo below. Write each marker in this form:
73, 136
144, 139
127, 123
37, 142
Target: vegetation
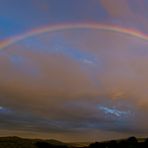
16, 142
131, 142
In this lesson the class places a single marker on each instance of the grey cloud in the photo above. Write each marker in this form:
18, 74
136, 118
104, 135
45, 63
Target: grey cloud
64, 94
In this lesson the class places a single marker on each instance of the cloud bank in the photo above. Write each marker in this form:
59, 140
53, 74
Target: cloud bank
75, 81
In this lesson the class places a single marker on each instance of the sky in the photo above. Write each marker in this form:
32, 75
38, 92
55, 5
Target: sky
74, 70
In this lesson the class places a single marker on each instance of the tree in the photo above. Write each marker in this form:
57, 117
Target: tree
112, 144
97, 145
42, 144
132, 142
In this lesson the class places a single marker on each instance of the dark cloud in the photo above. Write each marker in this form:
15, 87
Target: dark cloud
55, 91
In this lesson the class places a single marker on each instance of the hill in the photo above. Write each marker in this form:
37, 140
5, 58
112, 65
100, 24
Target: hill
17, 142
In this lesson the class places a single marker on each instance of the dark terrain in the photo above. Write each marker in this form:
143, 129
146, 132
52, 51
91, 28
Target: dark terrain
16, 142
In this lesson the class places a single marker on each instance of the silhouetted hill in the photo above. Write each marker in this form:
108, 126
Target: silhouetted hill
131, 142
17, 142
55, 142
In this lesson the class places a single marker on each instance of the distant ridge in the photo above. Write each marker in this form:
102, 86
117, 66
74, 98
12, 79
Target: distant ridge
18, 142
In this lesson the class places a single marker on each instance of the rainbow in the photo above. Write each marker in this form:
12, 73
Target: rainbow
52, 28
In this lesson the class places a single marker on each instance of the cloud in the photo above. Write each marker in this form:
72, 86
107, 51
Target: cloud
115, 8
130, 14
56, 91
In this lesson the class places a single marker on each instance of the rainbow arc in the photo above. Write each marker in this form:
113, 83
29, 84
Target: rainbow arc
52, 28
